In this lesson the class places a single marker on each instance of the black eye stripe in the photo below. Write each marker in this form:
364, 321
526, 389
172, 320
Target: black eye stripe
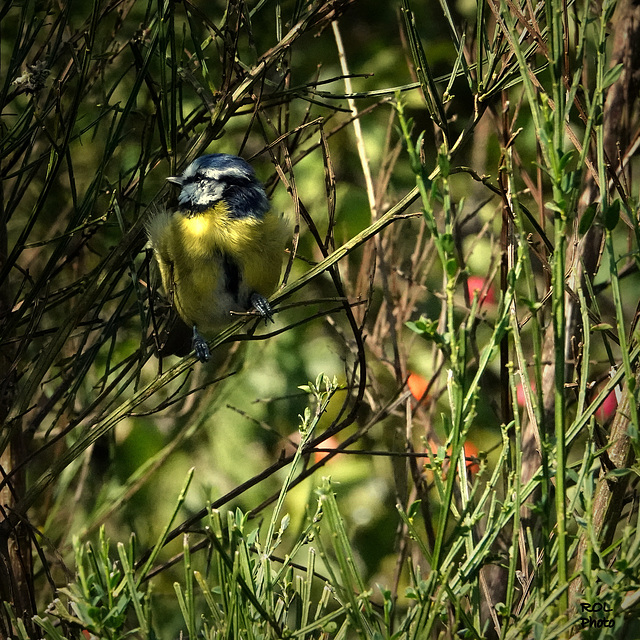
226, 181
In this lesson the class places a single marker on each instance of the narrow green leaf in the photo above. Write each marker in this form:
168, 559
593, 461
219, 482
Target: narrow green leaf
618, 473
611, 75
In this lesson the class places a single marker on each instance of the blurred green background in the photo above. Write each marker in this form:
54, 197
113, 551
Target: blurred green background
134, 91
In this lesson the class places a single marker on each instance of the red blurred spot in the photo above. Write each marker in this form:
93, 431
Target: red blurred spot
607, 409
477, 283
520, 397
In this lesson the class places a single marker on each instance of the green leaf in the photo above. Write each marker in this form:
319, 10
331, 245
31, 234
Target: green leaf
565, 159
612, 215
555, 206
597, 115
606, 577
602, 326
586, 220
419, 326
446, 240
569, 181
414, 509
428, 329
611, 75
444, 163
618, 473
532, 305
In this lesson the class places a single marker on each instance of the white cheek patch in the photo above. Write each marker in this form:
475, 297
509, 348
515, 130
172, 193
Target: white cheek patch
201, 193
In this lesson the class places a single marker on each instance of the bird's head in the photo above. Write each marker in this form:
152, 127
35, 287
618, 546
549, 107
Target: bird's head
220, 177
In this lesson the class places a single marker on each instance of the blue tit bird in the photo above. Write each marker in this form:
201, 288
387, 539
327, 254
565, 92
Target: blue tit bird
221, 250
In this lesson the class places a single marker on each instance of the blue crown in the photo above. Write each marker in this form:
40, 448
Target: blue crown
220, 177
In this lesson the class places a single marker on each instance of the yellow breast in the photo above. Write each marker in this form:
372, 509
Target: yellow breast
191, 252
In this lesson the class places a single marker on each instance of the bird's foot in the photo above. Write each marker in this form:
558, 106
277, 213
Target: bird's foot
262, 306
200, 346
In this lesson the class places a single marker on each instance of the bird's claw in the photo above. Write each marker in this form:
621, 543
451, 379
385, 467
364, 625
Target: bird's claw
200, 346
262, 306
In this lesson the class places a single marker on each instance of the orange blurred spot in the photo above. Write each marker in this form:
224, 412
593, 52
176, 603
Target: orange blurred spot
418, 386
470, 454
293, 441
329, 443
